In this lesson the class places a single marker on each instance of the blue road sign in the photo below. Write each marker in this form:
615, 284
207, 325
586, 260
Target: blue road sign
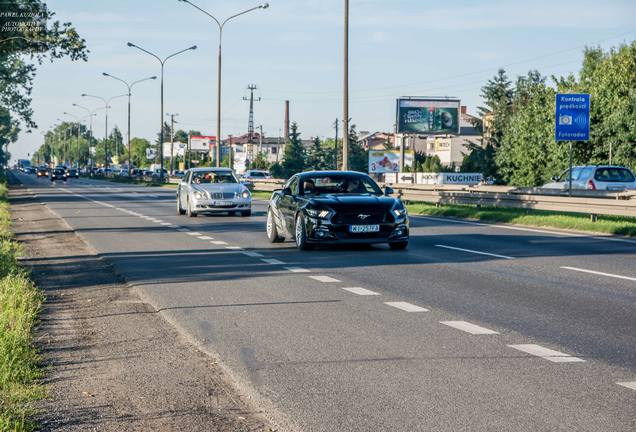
572, 117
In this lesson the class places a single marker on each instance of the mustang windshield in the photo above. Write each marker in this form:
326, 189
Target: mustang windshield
339, 184
208, 177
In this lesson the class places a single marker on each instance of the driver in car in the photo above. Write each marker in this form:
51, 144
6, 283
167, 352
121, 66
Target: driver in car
309, 187
355, 186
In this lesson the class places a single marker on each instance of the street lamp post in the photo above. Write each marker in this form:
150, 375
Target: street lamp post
345, 135
129, 86
218, 83
162, 62
106, 107
91, 114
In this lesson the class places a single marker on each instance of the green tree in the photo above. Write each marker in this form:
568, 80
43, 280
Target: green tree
43, 38
294, 157
138, 147
358, 156
317, 156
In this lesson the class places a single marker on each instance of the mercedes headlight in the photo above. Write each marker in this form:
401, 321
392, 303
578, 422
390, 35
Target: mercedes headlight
245, 194
199, 195
321, 214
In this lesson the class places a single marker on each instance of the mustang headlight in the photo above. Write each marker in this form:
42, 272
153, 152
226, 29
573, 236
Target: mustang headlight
245, 194
321, 214
399, 212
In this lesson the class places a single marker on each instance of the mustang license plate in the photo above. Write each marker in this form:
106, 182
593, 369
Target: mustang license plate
364, 228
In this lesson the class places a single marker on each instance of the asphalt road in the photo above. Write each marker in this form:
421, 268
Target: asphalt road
474, 328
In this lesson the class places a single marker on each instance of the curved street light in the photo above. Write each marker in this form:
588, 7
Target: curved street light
162, 62
129, 86
221, 25
106, 107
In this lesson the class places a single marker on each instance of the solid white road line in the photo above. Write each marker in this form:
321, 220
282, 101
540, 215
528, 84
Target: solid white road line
252, 254
629, 385
194, 233
205, 238
324, 279
546, 353
297, 270
474, 251
469, 328
237, 248
272, 261
219, 243
600, 273
361, 291
407, 307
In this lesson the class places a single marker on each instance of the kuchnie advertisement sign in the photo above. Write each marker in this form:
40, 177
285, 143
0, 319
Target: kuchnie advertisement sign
428, 116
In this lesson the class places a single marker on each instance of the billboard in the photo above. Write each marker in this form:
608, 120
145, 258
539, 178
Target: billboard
202, 143
388, 161
428, 116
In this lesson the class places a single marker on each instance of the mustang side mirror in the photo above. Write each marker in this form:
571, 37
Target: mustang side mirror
286, 191
388, 191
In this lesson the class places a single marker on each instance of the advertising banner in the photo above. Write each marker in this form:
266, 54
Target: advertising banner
202, 143
388, 161
428, 116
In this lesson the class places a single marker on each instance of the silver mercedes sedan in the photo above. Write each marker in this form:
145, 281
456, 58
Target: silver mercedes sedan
212, 190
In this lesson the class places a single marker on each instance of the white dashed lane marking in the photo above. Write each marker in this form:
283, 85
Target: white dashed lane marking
474, 252
546, 353
297, 270
629, 385
219, 243
272, 261
361, 291
205, 238
600, 273
324, 279
252, 254
407, 307
469, 328
194, 233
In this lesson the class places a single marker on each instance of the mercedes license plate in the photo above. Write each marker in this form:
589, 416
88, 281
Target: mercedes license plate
223, 203
364, 228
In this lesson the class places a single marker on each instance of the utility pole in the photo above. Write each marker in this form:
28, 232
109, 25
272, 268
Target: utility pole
250, 123
260, 140
172, 122
345, 136
335, 125
286, 130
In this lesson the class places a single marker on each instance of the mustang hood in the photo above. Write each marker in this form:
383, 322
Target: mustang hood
362, 202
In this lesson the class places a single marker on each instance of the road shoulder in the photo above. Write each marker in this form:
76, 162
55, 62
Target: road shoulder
112, 363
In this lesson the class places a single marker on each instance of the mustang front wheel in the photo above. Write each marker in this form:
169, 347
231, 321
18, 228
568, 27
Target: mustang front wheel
300, 233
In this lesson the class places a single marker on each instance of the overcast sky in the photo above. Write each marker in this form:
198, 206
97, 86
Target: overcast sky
293, 50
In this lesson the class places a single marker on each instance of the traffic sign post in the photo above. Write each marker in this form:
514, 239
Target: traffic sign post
572, 121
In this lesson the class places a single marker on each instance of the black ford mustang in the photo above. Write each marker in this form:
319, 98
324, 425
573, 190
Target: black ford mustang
326, 207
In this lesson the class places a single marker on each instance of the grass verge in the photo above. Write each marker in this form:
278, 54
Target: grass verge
548, 219
20, 303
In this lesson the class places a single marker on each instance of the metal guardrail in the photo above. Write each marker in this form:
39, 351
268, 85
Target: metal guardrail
583, 201
586, 202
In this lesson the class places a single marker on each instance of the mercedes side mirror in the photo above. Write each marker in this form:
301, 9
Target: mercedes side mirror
388, 191
555, 178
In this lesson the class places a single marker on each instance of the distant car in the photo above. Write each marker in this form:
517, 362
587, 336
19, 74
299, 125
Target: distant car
42, 172
178, 174
136, 172
148, 173
332, 207
107, 172
72, 172
58, 174
212, 190
595, 177
256, 175
157, 173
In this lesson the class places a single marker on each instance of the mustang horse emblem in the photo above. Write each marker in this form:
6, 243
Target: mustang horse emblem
363, 216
